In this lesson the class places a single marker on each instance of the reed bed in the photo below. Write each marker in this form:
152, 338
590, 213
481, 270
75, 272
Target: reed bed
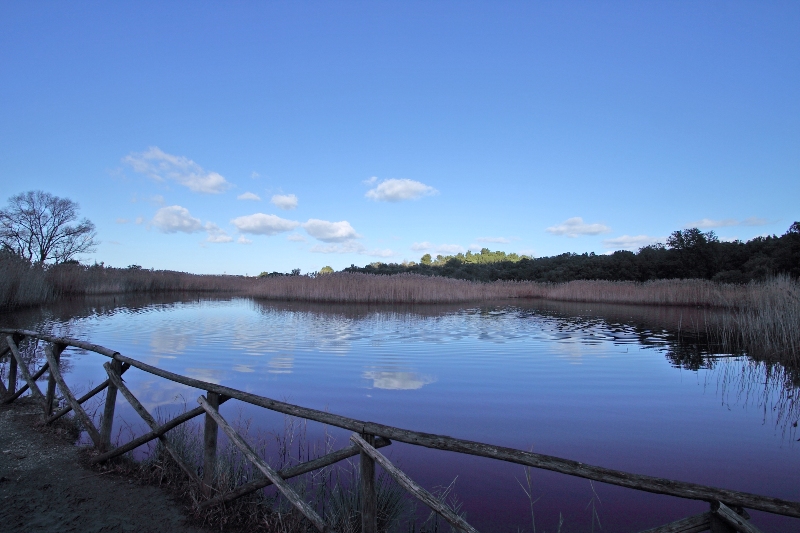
369, 288
768, 327
416, 288
97, 280
685, 292
22, 284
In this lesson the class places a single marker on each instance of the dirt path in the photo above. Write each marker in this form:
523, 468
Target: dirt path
44, 486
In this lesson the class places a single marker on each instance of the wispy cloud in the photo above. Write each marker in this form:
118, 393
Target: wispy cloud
445, 249
707, 223
162, 166
285, 201
216, 234
385, 252
174, 219
498, 240
262, 224
296, 237
249, 196
351, 247
326, 231
122, 221
156, 199
575, 226
398, 190
243, 240
631, 242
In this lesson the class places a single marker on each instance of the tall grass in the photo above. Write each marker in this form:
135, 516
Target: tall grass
69, 280
334, 491
768, 326
22, 284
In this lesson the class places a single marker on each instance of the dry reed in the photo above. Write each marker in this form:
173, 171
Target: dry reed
768, 327
415, 288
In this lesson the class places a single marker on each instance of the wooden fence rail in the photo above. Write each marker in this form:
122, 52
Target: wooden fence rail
727, 507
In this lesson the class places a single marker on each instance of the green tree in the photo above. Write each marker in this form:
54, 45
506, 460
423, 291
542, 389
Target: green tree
426, 259
326, 270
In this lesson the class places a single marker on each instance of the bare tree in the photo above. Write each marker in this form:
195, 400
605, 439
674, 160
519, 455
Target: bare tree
41, 227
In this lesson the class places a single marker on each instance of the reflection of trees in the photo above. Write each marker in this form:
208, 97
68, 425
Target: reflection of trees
689, 339
686, 336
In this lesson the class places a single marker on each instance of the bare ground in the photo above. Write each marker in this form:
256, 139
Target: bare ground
46, 485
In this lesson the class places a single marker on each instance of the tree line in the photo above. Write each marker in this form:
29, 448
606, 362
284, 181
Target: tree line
689, 253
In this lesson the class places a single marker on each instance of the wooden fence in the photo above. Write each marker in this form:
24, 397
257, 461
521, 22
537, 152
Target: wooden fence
727, 507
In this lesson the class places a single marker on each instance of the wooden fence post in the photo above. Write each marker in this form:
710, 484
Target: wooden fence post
12, 375
210, 442
51, 382
369, 496
12, 367
107, 422
717, 524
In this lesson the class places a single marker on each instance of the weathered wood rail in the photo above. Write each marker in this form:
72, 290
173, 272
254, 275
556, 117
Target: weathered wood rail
727, 507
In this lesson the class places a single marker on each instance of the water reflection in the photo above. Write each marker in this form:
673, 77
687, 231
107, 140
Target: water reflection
638, 388
398, 380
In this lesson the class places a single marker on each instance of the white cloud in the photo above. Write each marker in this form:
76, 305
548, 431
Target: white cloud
162, 166
630, 242
370, 181
707, 223
122, 221
330, 231
285, 201
243, 240
139, 220
261, 224
296, 237
398, 190
249, 196
421, 246
175, 219
499, 240
216, 234
575, 226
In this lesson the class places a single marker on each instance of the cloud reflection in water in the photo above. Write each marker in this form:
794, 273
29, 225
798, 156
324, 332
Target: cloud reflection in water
395, 380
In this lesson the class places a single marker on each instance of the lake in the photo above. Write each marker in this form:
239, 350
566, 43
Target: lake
624, 387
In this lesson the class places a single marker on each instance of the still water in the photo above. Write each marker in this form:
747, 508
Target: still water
622, 387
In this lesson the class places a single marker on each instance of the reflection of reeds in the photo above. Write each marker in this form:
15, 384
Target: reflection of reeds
768, 327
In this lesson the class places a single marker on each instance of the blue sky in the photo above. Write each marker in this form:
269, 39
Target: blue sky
250, 136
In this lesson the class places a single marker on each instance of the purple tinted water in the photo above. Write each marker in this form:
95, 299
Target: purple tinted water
606, 385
